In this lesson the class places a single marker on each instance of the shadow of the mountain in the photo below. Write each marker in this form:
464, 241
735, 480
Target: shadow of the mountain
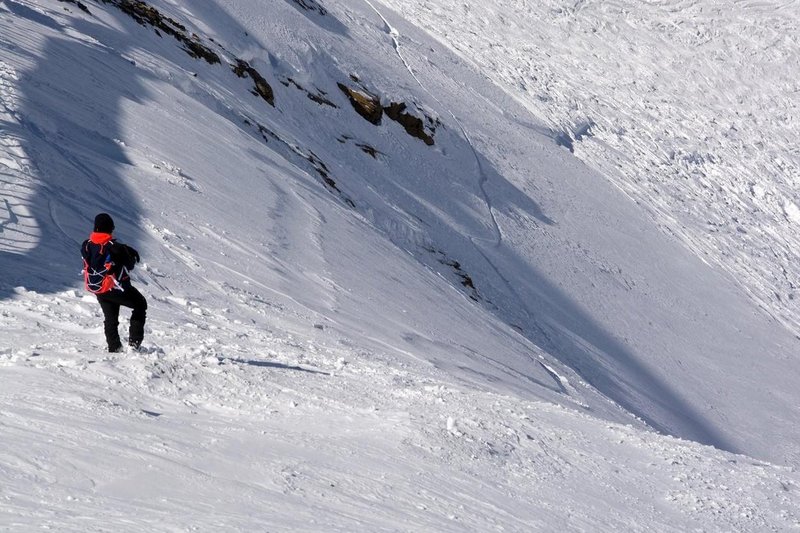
515, 291
68, 126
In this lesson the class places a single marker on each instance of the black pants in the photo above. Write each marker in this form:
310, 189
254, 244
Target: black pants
110, 302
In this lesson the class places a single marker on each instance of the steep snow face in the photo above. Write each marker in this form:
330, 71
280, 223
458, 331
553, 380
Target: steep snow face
383, 294
515, 222
691, 108
604, 300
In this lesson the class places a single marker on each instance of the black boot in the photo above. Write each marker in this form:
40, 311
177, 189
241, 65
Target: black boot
136, 333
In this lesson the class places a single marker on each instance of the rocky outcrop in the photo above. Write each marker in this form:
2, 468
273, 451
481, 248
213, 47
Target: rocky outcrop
319, 97
368, 105
263, 89
147, 15
311, 5
463, 278
365, 103
413, 125
297, 154
80, 5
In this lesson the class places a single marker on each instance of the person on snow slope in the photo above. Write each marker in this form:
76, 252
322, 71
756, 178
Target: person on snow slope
106, 266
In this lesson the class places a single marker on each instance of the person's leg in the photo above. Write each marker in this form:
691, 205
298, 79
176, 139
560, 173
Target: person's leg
111, 322
135, 300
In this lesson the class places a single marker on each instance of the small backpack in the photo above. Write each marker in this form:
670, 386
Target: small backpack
98, 268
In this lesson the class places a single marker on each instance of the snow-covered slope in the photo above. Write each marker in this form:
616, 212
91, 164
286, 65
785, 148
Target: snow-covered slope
382, 294
690, 107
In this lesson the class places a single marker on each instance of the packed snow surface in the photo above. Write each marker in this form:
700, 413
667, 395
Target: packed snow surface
543, 278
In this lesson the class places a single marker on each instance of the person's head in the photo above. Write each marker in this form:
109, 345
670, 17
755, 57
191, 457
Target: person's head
103, 223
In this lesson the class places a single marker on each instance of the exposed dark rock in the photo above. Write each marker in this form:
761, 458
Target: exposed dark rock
290, 150
464, 278
263, 89
80, 5
364, 147
319, 97
198, 50
414, 126
311, 5
147, 15
365, 103
321, 167
368, 106
371, 150
466, 281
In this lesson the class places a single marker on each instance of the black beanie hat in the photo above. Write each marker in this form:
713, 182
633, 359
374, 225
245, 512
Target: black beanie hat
103, 223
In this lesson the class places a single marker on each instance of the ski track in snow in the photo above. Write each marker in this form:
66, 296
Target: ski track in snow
301, 372
208, 421
482, 178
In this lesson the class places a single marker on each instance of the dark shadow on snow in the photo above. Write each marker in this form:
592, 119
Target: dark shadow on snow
70, 127
69, 120
23, 11
554, 321
272, 364
319, 15
515, 291
71, 115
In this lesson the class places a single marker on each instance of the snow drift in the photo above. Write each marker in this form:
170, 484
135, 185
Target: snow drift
384, 294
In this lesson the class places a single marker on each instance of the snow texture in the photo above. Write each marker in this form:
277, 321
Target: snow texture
573, 309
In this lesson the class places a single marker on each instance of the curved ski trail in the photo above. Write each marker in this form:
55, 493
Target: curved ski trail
482, 178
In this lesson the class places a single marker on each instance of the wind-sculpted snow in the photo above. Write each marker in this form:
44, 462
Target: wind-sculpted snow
351, 329
692, 108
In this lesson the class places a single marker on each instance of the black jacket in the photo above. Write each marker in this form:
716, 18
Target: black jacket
104, 255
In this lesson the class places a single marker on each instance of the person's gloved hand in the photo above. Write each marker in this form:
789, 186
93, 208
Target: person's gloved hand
133, 254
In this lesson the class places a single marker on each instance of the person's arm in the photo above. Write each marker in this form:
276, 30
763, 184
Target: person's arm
124, 255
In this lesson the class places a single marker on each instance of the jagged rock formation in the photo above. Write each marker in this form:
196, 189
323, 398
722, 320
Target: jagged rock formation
263, 89
319, 97
368, 105
413, 125
311, 5
146, 14
80, 5
365, 103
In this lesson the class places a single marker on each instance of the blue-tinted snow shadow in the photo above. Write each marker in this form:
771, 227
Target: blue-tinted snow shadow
273, 364
319, 15
23, 11
69, 122
555, 322
523, 297
71, 130
511, 288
